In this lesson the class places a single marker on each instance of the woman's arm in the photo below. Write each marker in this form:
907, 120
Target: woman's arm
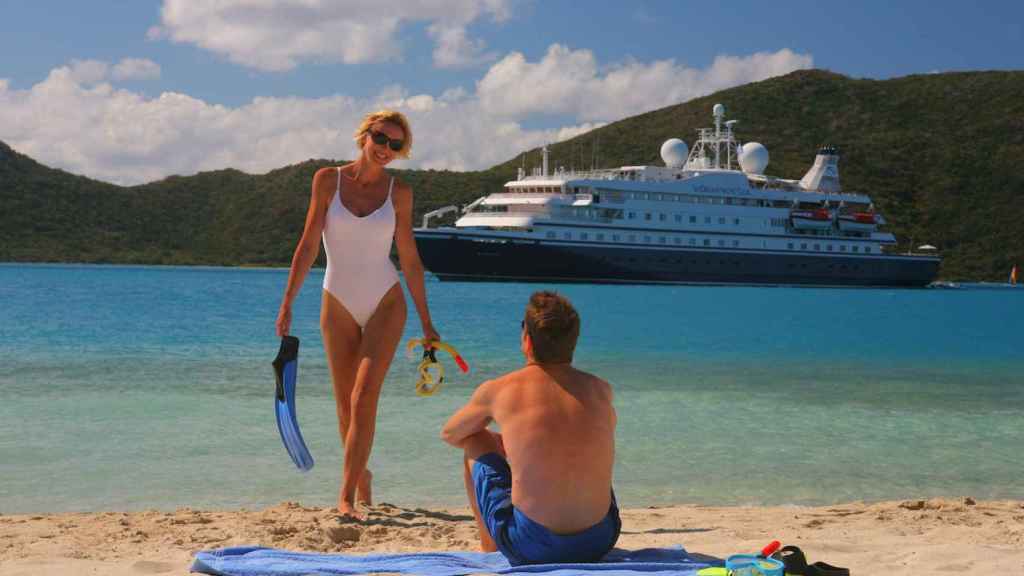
309, 245
409, 257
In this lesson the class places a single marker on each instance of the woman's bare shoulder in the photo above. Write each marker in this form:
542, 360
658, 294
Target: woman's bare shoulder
401, 186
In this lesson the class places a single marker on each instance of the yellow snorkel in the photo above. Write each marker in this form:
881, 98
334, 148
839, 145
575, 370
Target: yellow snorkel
426, 385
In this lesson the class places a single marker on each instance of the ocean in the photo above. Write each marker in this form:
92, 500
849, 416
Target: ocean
132, 387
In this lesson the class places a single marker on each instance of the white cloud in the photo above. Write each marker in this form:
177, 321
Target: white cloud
278, 35
88, 71
570, 82
76, 120
455, 49
136, 68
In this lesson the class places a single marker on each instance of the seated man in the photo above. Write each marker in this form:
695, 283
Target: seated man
541, 490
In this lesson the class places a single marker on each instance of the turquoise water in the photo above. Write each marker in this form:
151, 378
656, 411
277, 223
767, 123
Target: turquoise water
130, 388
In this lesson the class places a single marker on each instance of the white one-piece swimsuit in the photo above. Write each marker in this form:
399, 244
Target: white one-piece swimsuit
359, 269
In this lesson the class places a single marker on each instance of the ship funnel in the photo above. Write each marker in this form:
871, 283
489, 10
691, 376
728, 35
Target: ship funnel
824, 174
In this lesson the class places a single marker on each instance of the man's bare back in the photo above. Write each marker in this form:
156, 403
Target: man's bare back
541, 491
558, 430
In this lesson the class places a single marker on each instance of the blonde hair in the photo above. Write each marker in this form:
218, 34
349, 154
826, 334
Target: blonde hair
392, 116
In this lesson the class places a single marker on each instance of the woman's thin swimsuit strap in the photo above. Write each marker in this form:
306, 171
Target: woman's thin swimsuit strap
359, 269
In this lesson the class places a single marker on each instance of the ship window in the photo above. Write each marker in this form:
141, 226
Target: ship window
867, 248
661, 240
693, 241
615, 237
817, 247
790, 245
600, 236
803, 246
721, 220
707, 242
632, 237
567, 235
693, 219
828, 247
736, 221
583, 236
632, 215
550, 234
647, 238
679, 240
842, 247
679, 217
735, 243
856, 248
707, 219
647, 215
661, 217
721, 242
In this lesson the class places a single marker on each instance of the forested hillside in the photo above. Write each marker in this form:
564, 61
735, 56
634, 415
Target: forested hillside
940, 154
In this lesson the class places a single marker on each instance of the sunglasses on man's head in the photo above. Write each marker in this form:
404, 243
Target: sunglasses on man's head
381, 139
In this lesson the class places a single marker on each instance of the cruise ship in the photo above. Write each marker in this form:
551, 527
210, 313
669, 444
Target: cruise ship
709, 216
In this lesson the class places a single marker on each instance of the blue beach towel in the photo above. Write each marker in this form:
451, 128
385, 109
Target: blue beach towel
255, 561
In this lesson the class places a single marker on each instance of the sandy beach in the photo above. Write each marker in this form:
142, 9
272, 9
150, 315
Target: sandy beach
938, 536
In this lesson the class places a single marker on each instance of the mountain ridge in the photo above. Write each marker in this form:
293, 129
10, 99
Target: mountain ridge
936, 152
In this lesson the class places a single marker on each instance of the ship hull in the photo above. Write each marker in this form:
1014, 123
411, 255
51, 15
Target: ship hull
464, 257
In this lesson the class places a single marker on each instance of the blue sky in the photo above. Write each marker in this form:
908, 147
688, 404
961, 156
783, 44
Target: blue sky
133, 91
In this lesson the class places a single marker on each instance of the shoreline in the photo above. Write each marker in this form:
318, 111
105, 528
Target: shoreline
893, 537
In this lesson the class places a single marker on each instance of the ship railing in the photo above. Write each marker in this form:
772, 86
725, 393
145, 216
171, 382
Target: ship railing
597, 174
563, 196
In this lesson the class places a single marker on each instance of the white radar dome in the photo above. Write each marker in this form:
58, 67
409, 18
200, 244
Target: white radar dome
753, 158
674, 153
718, 110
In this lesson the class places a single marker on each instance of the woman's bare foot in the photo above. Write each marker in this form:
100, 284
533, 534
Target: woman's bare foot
348, 510
364, 490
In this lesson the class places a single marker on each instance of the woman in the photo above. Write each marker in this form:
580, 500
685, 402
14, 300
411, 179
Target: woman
357, 209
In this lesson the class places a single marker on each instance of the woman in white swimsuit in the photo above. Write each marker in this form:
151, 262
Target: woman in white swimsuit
358, 209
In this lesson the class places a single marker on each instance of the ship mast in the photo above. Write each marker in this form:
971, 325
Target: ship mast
707, 153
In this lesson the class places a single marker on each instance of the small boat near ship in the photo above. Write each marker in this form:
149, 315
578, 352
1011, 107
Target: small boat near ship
709, 216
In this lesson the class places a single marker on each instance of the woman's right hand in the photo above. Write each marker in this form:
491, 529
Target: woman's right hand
284, 320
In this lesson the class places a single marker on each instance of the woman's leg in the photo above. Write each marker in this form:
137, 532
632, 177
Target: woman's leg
376, 349
342, 336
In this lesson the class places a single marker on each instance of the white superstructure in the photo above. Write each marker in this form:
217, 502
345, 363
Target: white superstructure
714, 195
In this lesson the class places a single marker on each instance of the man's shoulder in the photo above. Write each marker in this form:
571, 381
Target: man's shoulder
594, 379
506, 379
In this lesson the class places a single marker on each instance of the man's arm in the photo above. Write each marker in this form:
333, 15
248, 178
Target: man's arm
471, 418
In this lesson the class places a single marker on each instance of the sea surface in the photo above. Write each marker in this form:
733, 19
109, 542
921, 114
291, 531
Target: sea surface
129, 388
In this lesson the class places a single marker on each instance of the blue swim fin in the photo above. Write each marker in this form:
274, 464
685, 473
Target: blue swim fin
286, 369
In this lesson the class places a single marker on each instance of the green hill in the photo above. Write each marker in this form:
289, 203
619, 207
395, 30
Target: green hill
939, 154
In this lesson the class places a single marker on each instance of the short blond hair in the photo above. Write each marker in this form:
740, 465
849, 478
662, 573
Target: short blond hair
553, 325
385, 115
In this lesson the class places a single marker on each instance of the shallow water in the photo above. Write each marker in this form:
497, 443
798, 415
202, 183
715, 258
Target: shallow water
151, 387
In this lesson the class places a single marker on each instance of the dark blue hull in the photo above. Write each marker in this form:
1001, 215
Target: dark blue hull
453, 256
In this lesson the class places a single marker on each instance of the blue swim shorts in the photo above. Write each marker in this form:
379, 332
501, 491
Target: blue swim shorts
524, 541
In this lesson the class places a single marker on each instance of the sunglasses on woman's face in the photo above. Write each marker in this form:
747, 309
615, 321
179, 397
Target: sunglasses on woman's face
381, 139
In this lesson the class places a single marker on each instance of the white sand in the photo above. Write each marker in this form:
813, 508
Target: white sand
893, 538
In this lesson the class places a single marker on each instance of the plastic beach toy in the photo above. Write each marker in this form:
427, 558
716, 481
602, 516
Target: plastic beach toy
753, 565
